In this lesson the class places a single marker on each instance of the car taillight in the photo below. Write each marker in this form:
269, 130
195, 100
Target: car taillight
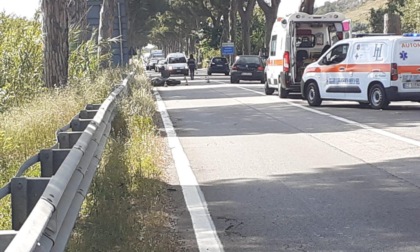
234, 67
260, 68
286, 61
394, 71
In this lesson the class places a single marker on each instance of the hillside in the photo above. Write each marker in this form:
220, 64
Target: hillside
356, 10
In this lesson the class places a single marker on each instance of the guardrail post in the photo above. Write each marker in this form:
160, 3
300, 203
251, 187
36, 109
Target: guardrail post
6, 236
87, 114
66, 140
78, 124
25, 194
93, 106
51, 159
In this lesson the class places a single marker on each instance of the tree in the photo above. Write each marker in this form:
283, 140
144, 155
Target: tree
376, 20
270, 12
106, 28
56, 46
376, 17
411, 19
307, 6
246, 9
77, 13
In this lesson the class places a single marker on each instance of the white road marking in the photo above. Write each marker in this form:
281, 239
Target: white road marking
204, 229
338, 118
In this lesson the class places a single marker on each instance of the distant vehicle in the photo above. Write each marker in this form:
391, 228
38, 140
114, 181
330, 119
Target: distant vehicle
176, 63
218, 65
247, 67
370, 70
296, 41
159, 65
153, 59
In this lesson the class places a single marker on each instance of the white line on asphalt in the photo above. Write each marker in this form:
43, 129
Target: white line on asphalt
338, 118
203, 225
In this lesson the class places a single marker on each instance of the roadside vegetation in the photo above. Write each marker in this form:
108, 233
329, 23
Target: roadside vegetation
368, 15
126, 208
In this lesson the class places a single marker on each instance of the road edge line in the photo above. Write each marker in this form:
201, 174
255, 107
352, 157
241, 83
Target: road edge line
204, 229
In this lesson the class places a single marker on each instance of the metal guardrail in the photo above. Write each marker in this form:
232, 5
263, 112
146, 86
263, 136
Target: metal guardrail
45, 209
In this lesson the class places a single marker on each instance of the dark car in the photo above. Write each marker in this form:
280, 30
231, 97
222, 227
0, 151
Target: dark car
218, 65
247, 67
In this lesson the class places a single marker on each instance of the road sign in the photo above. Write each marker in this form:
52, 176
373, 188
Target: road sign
228, 48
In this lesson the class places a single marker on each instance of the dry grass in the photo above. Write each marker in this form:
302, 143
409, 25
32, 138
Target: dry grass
126, 208
27, 129
361, 14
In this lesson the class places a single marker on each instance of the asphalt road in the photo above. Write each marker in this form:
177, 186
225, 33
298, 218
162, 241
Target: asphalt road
278, 175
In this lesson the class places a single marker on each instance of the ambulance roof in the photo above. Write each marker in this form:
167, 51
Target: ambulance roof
374, 38
304, 17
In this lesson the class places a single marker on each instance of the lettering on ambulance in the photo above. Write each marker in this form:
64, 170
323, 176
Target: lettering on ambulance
410, 45
370, 52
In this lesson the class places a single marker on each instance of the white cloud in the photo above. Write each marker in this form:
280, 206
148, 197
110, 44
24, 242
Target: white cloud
21, 8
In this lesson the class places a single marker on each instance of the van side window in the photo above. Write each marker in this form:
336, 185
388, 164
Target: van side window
273, 45
337, 55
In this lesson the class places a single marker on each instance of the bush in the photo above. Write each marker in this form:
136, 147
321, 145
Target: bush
21, 62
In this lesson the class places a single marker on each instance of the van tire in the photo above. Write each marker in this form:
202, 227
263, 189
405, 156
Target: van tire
377, 97
312, 95
268, 90
283, 93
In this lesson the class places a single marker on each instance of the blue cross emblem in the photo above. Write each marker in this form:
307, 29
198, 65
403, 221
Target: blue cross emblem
403, 55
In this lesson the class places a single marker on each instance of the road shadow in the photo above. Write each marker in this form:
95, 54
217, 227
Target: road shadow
345, 208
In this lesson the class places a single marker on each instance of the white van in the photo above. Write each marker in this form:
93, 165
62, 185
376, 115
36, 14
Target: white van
176, 63
296, 41
370, 70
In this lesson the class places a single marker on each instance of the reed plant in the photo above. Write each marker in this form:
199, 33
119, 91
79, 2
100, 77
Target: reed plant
126, 207
21, 61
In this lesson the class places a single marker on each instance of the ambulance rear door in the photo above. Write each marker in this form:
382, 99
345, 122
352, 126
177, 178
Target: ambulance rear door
406, 56
292, 54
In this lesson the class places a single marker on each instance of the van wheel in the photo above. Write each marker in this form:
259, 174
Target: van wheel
312, 95
283, 93
377, 97
268, 90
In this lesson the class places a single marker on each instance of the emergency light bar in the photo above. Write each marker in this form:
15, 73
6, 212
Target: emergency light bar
411, 34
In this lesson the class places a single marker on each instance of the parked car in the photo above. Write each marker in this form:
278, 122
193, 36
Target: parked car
247, 67
176, 63
159, 66
218, 65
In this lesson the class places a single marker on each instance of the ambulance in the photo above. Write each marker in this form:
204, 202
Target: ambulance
369, 70
296, 41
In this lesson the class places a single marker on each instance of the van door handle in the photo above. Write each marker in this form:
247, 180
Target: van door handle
341, 69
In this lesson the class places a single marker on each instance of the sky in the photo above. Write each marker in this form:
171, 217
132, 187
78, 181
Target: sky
21, 8
27, 8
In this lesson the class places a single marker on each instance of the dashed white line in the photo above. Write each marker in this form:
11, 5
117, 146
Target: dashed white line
203, 225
